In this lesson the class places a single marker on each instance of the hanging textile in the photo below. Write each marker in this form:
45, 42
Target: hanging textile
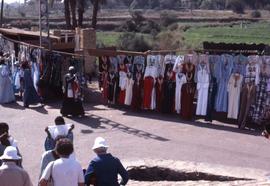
225, 66
239, 64
212, 91
6, 89
253, 70
248, 94
159, 93
188, 91
180, 79
137, 92
129, 88
234, 89
122, 81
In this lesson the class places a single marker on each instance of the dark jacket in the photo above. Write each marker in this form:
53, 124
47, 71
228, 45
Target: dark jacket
106, 168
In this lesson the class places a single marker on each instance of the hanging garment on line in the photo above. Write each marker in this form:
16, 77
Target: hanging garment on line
122, 86
234, 89
137, 92
261, 98
202, 87
112, 90
247, 99
6, 89
253, 70
129, 87
224, 70
180, 80
105, 86
239, 64
159, 92
212, 91
188, 91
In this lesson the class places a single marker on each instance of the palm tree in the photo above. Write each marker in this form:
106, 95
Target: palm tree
96, 6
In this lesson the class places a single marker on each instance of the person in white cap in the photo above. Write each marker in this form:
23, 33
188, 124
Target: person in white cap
103, 170
72, 105
10, 173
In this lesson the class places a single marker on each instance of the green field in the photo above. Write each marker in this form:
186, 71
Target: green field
197, 34
248, 33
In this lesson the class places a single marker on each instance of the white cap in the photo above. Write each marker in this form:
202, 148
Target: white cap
100, 142
71, 68
10, 153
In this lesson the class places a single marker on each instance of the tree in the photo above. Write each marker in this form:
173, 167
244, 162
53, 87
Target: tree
96, 6
2, 9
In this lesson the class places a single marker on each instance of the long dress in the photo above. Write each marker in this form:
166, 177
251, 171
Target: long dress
188, 92
247, 99
180, 79
234, 89
122, 87
148, 88
159, 93
30, 95
225, 67
202, 87
137, 92
128, 97
6, 88
71, 105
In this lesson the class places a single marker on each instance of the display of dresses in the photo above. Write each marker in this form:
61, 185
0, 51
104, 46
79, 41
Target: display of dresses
129, 87
234, 89
122, 83
169, 91
159, 93
137, 92
6, 88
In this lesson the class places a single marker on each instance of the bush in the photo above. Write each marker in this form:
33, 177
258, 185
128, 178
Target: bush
173, 27
256, 14
236, 6
167, 19
133, 42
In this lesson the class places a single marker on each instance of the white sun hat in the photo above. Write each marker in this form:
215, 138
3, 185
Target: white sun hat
100, 142
10, 153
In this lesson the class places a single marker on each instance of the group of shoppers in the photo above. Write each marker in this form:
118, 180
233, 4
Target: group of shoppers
59, 166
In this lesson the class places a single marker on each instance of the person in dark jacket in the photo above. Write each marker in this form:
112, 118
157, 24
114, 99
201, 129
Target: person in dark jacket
105, 168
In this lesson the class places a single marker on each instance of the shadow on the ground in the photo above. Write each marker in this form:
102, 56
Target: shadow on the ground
97, 122
176, 118
13, 105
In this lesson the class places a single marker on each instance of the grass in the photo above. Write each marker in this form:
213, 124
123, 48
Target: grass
198, 33
110, 39
250, 33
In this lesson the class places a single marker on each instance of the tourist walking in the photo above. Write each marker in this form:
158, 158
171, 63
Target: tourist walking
64, 171
105, 168
10, 173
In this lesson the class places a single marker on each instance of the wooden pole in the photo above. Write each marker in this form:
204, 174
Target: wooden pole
2, 9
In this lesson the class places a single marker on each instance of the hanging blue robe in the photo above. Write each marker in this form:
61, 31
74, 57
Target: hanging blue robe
6, 88
224, 71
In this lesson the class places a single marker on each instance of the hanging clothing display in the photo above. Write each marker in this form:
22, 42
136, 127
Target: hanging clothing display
202, 79
169, 91
188, 91
234, 89
180, 80
247, 99
105, 86
239, 65
224, 70
6, 88
252, 70
261, 96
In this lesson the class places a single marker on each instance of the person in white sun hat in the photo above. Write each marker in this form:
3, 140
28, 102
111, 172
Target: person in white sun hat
104, 169
10, 173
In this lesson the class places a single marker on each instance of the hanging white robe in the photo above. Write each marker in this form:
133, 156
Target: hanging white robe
234, 89
202, 87
180, 79
129, 86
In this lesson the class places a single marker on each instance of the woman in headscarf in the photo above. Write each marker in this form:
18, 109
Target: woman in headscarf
30, 95
6, 88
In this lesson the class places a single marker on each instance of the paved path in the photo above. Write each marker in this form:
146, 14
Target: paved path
138, 136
